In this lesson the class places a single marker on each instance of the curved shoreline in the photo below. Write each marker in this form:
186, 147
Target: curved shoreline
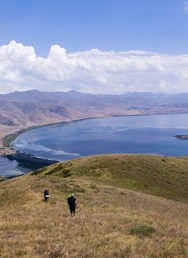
23, 159
6, 141
8, 138
11, 153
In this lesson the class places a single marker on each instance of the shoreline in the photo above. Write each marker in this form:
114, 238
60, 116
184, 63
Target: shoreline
9, 135
182, 136
23, 159
8, 138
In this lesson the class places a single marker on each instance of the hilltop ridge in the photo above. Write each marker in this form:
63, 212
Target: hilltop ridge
153, 174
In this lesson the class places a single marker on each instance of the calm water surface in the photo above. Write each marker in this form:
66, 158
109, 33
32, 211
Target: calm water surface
132, 134
11, 168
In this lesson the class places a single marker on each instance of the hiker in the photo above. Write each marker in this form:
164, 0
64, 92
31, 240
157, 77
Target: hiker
46, 195
71, 200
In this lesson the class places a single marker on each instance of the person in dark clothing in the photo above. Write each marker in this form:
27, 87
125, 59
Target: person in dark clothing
46, 195
71, 200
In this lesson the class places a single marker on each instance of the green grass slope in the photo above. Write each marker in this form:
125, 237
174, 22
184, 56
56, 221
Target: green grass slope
164, 176
116, 217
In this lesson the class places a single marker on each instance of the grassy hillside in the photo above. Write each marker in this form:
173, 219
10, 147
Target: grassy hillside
158, 175
116, 217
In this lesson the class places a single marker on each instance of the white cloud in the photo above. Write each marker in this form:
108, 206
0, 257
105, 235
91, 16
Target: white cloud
91, 71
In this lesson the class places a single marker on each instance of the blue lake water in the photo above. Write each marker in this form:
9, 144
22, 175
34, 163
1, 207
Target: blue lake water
11, 168
132, 134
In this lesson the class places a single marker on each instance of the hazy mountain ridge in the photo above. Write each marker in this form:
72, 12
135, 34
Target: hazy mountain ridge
35, 107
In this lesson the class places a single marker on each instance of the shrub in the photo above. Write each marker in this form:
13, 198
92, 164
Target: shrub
142, 230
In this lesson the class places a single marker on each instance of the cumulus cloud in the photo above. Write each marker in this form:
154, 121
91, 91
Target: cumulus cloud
91, 71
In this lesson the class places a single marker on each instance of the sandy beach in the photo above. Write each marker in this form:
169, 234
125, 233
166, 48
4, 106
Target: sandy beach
11, 130
5, 131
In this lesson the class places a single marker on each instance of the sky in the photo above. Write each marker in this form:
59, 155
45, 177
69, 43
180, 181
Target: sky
94, 46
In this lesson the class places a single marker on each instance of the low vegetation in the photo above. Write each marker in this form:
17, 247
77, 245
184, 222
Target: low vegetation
142, 230
128, 206
156, 175
2, 178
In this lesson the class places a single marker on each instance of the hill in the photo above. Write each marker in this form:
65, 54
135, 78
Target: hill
151, 174
128, 206
35, 107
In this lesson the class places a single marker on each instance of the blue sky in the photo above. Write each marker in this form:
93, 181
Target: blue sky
76, 27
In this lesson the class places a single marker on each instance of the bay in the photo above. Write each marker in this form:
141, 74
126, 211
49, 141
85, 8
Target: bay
129, 134
154, 134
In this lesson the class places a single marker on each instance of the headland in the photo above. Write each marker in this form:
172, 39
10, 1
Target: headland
25, 160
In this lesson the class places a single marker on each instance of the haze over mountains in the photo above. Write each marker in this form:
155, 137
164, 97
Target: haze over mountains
35, 107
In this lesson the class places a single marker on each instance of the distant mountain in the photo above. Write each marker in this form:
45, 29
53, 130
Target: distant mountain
34, 107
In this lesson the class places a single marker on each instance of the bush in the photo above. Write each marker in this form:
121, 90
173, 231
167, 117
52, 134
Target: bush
142, 230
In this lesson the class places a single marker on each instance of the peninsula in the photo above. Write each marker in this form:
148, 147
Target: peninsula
182, 137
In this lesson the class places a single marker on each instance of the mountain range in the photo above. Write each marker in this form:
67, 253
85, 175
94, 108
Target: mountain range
35, 107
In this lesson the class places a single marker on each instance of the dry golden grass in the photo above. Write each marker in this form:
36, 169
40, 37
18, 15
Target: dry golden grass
31, 228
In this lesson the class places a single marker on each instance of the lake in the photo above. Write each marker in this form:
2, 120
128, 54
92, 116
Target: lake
11, 168
129, 134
